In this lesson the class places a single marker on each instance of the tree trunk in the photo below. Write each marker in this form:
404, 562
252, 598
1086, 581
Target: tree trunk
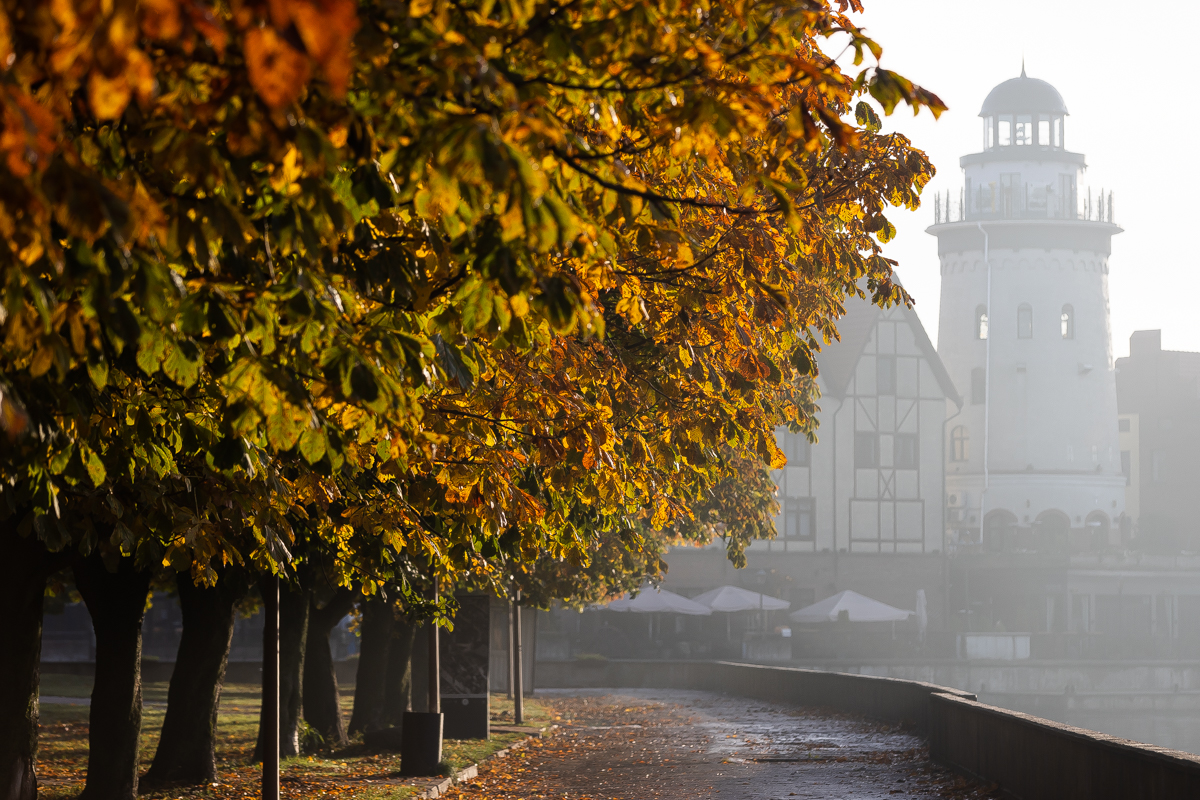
322, 704
377, 624
117, 603
23, 572
293, 630
186, 751
397, 692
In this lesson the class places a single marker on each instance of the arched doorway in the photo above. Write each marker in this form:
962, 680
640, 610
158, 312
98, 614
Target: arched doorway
1051, 529
999, 531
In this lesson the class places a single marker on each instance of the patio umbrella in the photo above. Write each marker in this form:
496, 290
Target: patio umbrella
731, 598
859, 608
654, 600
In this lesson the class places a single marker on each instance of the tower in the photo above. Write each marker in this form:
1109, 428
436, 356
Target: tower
1032, 461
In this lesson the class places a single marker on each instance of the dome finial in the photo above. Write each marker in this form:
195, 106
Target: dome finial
1023, 75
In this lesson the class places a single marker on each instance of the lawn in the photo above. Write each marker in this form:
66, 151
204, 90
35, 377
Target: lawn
351, 773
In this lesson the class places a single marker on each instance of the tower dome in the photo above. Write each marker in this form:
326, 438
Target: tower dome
1022, 112
1024, 95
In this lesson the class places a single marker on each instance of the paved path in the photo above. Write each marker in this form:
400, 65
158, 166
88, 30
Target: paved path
668, 745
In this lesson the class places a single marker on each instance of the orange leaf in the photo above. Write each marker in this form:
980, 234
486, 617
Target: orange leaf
277, 71
107, 96
161, 19
7, 56
327, 29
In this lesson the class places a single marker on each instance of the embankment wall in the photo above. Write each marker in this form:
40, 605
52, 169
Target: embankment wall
1028, 757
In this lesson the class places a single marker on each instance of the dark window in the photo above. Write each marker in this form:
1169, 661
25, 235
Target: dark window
798, 518
866, 450
978, 386
796, 448
907, 454
960, 444
1024, 321
885, 375
1068, 321
1126, 465
1123, 425
981, 322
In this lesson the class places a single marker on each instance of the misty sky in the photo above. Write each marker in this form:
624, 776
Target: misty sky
1127, 73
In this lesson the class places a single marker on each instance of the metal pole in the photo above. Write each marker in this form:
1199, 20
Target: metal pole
987, 385
270, 689
512, 609
435, 666
518, 683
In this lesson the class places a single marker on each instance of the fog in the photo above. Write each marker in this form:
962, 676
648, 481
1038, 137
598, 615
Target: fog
1127, 81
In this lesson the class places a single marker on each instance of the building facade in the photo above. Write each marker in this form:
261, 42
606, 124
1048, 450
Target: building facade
1033, 461
1158, 396
873, 481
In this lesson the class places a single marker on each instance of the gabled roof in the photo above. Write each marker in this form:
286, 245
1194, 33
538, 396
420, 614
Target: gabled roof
838, 360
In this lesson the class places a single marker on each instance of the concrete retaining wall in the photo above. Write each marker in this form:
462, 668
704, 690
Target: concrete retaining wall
1030, 758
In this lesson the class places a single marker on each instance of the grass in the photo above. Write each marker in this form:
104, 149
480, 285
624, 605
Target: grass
351, 773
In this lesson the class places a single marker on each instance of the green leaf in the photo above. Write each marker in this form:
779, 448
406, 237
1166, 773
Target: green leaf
152, 347
182, 363
97, 369
312, 445
95, 467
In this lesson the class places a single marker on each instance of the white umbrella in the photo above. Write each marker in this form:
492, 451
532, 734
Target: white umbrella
731, 598
653, 600
858, 608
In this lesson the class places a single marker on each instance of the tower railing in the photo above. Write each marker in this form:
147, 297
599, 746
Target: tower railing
1022, 201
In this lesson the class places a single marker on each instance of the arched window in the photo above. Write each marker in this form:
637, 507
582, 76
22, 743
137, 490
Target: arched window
960, 444
1068, 321
981, 322
1024, 321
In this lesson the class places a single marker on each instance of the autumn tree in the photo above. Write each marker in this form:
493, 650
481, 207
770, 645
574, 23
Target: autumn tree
433, 286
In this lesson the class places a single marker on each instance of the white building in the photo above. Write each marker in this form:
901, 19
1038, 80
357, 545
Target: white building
1024, 333
873, 483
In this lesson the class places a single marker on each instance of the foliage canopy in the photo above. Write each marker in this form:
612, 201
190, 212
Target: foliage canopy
408, 288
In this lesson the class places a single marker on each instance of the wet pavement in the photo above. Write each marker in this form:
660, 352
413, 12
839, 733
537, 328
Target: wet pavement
667, 744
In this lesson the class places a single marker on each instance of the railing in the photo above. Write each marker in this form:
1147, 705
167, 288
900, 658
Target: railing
1022, 201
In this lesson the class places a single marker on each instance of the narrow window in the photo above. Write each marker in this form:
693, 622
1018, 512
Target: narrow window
907, 453
1068, 321
798, 518
989, 132
1023, 134
978, 386
960, 444
1127, 467
866, 450
981, 322
1024, 321
885, 375
1043, 132
1005, 132
1058, 131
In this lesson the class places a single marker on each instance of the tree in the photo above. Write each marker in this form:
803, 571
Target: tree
186, 750
435, 287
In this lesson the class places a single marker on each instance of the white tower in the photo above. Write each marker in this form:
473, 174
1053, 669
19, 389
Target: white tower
1033, 462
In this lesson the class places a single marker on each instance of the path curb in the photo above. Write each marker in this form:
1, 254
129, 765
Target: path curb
470, 773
